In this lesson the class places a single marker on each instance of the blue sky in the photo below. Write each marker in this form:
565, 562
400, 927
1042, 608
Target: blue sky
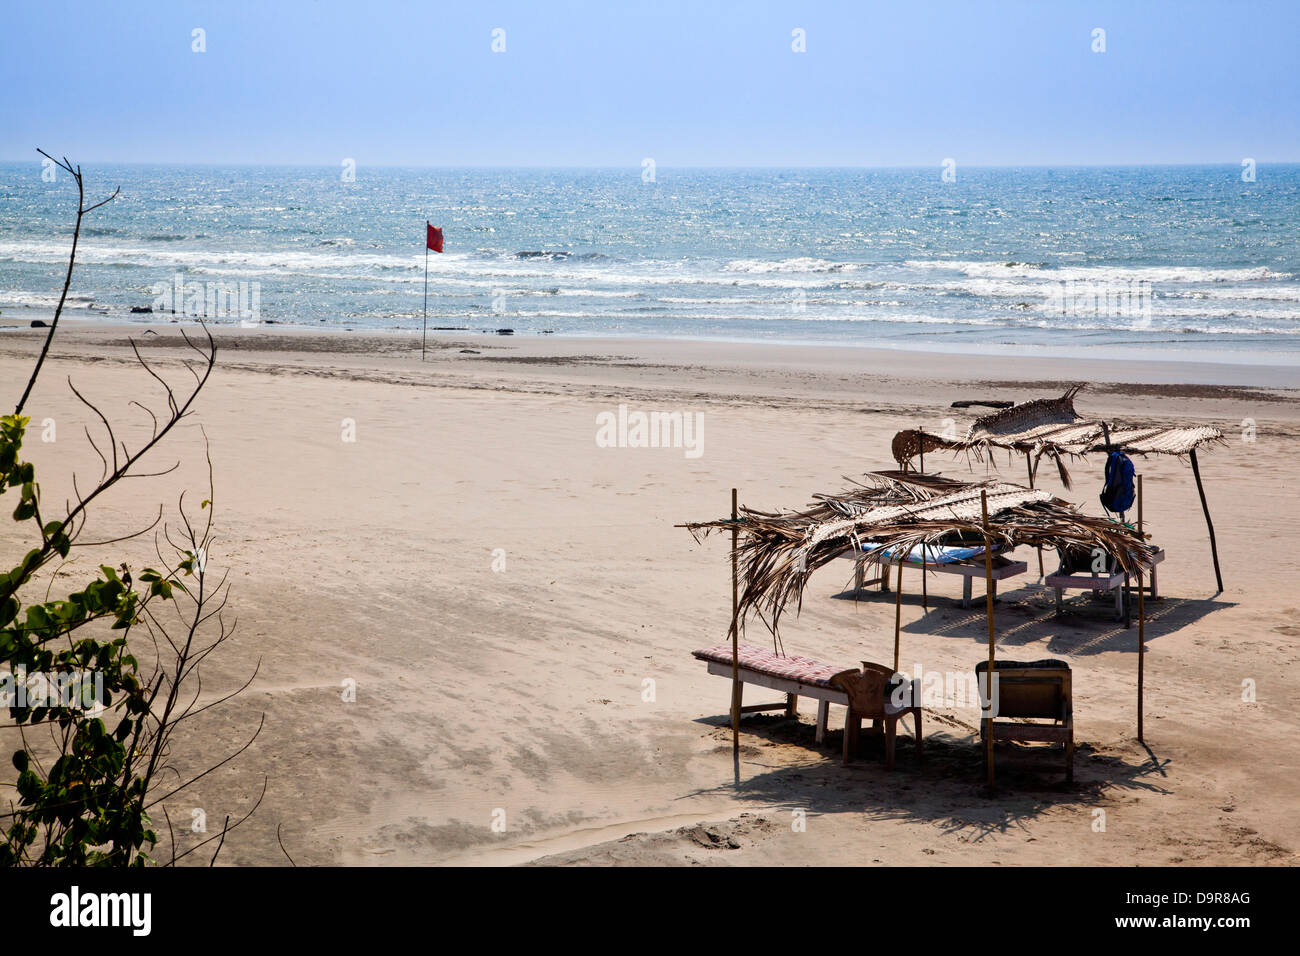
904, 82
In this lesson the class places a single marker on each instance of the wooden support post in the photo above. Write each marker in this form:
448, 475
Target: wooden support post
1029, 467
925, 591
1200, 489
988, 585
735, 628
1142, 619
898, 612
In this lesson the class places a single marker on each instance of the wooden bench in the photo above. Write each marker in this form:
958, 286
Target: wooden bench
1034, 690
1116, 581
859, 691
969, 569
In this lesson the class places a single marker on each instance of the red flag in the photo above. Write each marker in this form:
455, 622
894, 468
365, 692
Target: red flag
434, 238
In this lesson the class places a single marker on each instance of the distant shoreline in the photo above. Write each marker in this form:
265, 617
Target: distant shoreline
1031, 364
1278, 369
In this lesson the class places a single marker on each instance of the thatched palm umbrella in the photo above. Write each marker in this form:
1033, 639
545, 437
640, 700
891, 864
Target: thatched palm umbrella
1051, 428
893, 513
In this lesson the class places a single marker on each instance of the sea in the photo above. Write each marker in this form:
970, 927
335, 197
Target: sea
1174, 261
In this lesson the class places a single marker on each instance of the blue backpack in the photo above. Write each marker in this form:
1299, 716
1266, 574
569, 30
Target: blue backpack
1118, 493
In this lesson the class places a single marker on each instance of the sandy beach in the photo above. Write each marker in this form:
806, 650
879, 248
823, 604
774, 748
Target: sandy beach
517, 608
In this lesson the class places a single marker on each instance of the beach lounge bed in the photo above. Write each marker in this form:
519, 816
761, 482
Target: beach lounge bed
862, 692
1034, 690
1075, 573
967, 561
793, 675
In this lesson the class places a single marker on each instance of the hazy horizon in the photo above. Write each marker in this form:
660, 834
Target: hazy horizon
1204, 164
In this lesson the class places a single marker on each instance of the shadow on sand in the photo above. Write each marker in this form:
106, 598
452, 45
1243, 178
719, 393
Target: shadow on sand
1027, 616
946, 789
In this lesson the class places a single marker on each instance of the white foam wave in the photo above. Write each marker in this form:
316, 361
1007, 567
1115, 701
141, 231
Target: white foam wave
14, 298
1283, 293
1002, 270
797, 265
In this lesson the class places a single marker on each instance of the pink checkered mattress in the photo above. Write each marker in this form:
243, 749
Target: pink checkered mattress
767, 661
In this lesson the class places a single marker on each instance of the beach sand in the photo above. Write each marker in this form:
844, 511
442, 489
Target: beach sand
519, 694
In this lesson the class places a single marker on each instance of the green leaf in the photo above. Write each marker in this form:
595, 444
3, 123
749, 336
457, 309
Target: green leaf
37, 619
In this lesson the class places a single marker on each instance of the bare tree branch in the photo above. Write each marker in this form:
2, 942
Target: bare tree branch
67, 281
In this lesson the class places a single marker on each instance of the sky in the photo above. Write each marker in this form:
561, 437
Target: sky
896, 83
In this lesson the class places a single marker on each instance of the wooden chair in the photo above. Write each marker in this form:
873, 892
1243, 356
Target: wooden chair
870, 694
1035, 690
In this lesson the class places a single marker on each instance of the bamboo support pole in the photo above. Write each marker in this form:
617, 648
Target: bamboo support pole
1139, 490
988, 594
1200, 489
1142, 618
735, 628
925, 595
1029, 467
898, 611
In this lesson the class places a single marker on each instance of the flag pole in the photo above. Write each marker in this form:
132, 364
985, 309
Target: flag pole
425, 334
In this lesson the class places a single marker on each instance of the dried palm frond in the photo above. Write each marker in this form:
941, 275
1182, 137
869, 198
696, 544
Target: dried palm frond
1051, 428
894, 512
1041, 413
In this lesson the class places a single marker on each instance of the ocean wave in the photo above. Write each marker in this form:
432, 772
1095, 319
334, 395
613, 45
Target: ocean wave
806, 317
301, 262
1275, 315
560, 256
267, 262
995, 270
781, 302
18, 299
984, 269
1135, 326
1284, 293
598, 293
715, 300
796, 265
